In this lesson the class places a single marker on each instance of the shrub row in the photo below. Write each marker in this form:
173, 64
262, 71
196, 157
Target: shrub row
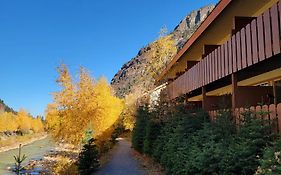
188, 143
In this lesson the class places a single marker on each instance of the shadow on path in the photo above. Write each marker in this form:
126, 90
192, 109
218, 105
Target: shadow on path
122, 161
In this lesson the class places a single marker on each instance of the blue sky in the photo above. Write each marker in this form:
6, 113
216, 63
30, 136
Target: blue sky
101, 35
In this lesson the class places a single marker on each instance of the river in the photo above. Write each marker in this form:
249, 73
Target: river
35, 150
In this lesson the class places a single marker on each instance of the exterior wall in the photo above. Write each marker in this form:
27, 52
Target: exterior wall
154, 96
252, 95
217, 102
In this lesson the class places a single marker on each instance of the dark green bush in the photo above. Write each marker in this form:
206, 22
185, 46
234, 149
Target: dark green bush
139, 130
169, 147
152, 131
271, 160
88, 160
250, 141
188, 143
118, 130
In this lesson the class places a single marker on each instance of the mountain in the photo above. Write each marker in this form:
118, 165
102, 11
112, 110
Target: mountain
134, 74
5, 108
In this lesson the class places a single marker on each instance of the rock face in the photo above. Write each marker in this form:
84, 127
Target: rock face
133, 74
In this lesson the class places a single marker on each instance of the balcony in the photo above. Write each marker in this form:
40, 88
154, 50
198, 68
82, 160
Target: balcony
257, 41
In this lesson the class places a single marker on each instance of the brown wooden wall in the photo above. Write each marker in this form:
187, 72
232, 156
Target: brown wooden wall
258, 41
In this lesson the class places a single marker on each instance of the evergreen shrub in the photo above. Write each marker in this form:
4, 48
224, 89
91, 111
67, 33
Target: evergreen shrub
189, 143
88, 160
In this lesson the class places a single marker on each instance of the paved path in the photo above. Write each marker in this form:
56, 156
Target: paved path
122, 161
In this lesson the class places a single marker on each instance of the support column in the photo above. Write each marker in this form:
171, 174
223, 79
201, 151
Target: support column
234, 87
274, 92
204, 98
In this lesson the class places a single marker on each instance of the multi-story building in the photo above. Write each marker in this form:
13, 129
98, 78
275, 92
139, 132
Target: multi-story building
232, 58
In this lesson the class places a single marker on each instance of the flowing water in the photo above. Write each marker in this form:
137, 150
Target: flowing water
35, 150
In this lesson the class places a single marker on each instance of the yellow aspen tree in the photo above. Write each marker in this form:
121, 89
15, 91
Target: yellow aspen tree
37, 125
162, 51
2, 125
79, 104
52, 119
12, 124
86, 102
20, 121
130, 109
24, 121
65, 102
8, 122
109, 106
66, 97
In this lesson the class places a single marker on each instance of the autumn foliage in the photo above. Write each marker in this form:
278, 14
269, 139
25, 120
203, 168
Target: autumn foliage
21, 121
80, 104
162, 51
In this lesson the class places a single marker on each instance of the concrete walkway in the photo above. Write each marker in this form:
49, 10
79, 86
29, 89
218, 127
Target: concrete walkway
122, 162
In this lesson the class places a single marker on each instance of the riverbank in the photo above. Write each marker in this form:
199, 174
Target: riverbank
60, 160
34, 151
13, 142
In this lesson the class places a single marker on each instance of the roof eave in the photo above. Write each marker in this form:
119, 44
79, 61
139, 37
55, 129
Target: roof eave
204, 25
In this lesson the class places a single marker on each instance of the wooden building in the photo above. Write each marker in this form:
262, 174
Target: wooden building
232, 59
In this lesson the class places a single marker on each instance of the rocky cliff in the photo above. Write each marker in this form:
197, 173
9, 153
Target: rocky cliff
134, 75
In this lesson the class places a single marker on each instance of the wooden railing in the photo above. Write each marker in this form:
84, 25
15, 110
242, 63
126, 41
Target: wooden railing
258, 41
268, 112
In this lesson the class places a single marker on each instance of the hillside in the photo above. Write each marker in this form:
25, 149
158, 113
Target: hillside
5, 108
135, 75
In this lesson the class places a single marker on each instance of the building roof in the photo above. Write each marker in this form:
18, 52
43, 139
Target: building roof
205, 24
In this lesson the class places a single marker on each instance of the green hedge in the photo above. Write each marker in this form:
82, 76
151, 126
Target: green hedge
139, 130
188, 143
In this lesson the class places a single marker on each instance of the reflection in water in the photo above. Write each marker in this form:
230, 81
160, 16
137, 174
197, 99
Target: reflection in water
36, 150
